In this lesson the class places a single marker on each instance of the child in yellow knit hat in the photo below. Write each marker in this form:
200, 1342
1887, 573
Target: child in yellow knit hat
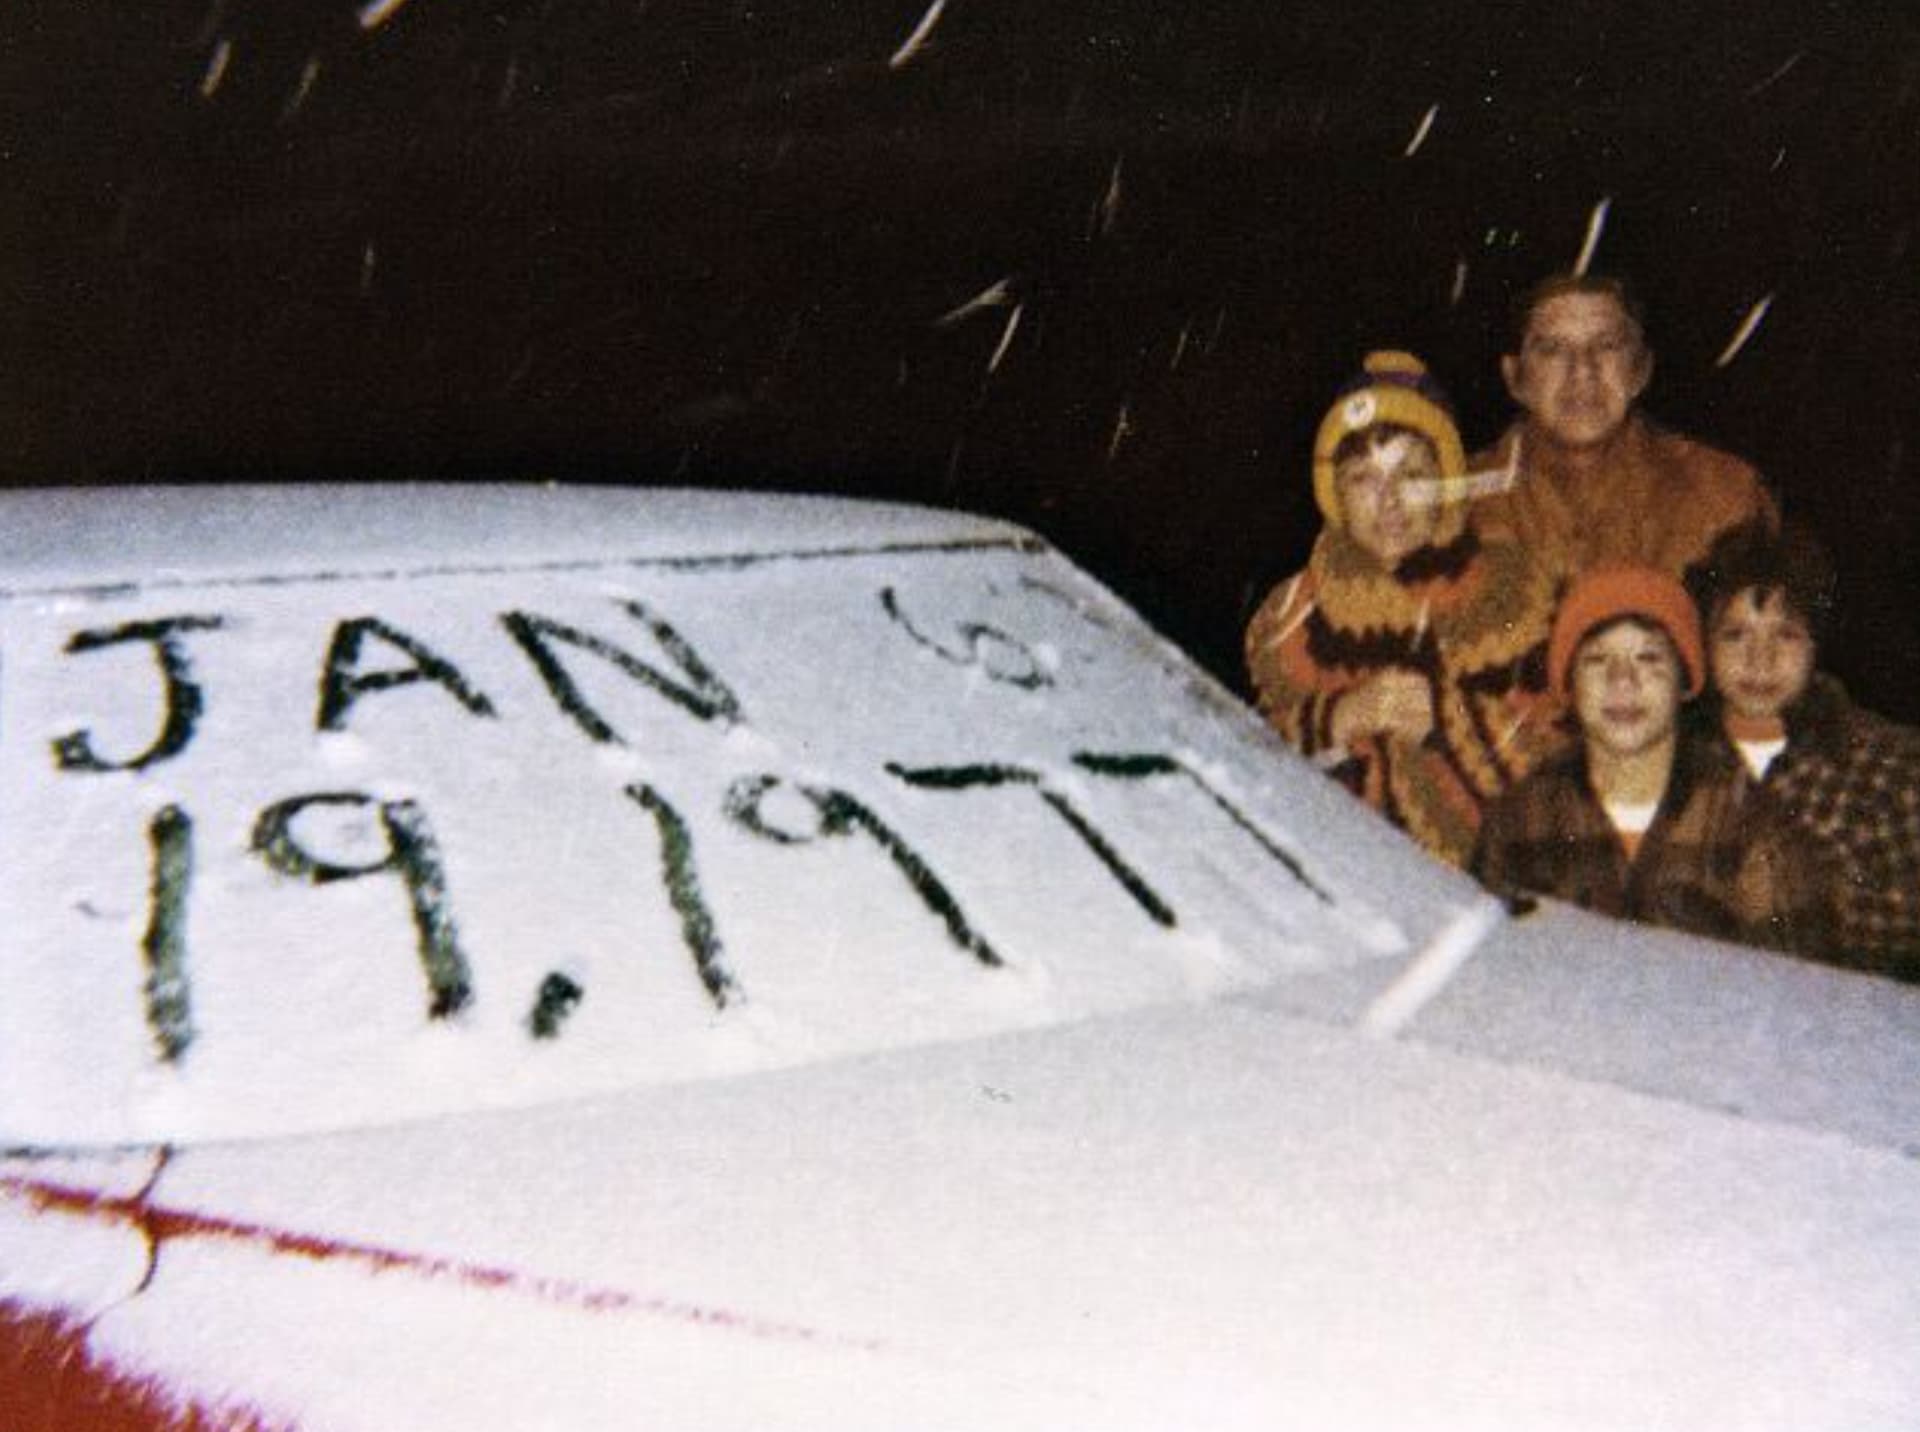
1408, 656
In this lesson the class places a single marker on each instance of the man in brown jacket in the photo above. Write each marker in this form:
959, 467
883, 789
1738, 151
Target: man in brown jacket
1583, 477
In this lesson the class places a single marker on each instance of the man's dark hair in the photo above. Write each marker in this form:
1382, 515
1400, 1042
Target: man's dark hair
1556, 285
1791, 562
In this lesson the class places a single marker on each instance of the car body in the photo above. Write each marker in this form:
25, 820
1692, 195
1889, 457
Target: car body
535, 957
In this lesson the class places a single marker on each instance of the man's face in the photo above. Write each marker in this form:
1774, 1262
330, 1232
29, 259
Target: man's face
1390, 496
1761, 653
1626, 688
1579, 369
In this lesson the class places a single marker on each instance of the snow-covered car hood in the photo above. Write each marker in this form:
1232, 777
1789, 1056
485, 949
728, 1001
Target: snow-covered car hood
528, 957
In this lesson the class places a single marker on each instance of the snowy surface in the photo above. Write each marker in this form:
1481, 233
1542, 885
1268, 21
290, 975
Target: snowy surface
336, 807
1189, 1216
797, 1154
1745, 1031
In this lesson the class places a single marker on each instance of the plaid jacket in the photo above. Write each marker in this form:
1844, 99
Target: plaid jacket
1849, 784
1717, 861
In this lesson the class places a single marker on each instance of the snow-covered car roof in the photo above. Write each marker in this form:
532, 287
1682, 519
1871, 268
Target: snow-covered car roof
598, 958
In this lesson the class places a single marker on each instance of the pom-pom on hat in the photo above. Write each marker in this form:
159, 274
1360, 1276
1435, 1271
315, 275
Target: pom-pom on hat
1392, 387
1606, 594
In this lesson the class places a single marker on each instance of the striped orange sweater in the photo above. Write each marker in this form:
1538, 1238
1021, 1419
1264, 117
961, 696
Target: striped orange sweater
1471, 617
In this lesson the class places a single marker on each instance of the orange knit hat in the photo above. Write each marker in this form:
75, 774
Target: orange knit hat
1606, 593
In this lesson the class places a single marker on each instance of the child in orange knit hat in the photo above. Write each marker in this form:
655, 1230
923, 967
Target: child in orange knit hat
1408, 656
1643, 819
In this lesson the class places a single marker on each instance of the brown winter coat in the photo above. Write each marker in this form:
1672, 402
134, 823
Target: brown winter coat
1659, 500
1848, 784
1713, 863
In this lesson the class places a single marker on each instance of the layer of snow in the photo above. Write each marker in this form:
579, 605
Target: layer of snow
303, 843
1149, 1169
1749, 1032
1197, 1216
156, 535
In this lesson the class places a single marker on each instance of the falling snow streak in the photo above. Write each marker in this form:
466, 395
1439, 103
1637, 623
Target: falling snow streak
1596, 226
1779, 74
376, 13
912, 45
1433, 969
1006, 337
1745, 331
1110, 201
1486, 481
298, 99
1420, 134
216, 69
159, 1223
1459, 284
1219, 323
994, 295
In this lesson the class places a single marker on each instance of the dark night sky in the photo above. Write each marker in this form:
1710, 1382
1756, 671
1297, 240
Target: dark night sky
711, 243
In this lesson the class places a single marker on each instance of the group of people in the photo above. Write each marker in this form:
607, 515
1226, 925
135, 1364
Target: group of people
1584, 663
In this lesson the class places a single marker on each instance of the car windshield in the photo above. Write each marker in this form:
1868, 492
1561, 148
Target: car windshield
294, 843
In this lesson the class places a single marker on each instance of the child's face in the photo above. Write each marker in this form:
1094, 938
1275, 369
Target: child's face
1626, 688
1390, 496
1761, 653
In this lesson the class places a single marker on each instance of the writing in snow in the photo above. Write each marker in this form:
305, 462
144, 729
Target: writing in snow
198, 711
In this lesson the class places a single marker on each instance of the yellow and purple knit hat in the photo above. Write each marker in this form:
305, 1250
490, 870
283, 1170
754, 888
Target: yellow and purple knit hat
1392, 387
1605, 594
